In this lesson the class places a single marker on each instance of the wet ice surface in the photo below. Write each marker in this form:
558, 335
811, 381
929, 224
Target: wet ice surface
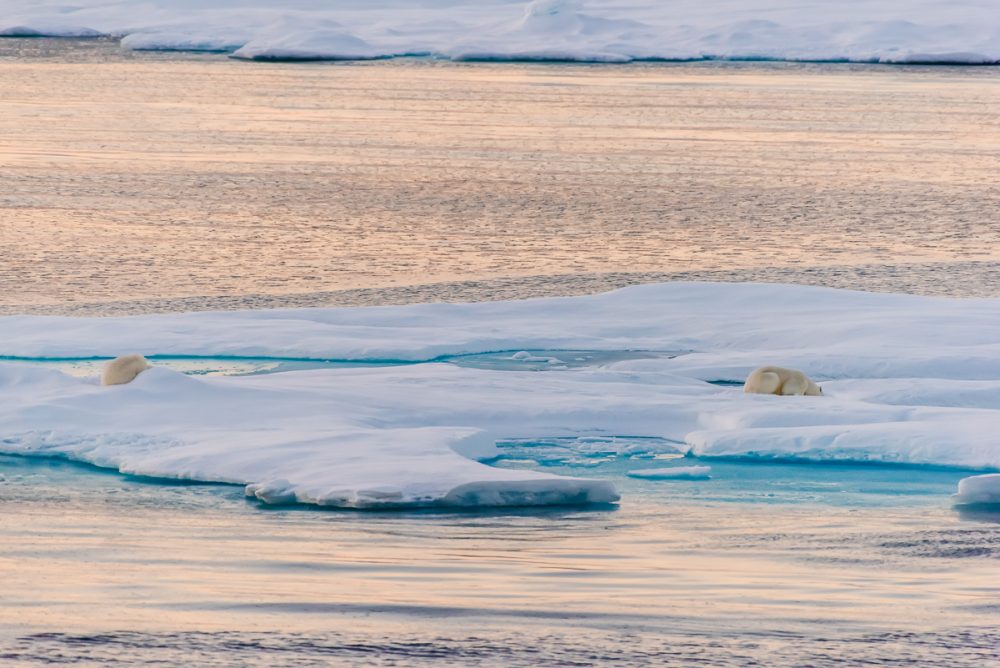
112, 570
221, 184
733, 480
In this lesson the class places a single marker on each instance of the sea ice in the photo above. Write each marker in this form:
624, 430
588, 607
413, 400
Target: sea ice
929, 31
907, 380
524, 356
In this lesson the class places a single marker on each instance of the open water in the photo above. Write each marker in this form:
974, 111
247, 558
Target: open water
158, 182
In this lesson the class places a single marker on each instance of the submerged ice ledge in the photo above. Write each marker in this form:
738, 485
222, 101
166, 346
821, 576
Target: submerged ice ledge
940, 31
907, 379
545, 491
673, 473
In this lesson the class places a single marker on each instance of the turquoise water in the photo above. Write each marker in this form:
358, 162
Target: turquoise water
200, 365
736, 480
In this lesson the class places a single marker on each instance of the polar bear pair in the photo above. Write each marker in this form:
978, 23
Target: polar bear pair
777, 380
765, 380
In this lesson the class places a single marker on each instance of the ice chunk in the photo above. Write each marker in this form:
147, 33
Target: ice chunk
525, 356
979, 489
673, 473
329, 43
185, 40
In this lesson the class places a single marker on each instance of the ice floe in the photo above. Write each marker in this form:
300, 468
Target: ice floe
673, 473
979, 489
928, 31
907, 379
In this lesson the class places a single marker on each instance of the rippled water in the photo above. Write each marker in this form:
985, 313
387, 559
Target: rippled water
110, 569
198, 181
158, 182
765, 563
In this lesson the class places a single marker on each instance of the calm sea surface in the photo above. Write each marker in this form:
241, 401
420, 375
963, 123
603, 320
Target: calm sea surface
173, 181
764, 565
157, 182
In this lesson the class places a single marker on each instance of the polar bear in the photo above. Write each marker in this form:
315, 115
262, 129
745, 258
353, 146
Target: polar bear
776, 380
124, 369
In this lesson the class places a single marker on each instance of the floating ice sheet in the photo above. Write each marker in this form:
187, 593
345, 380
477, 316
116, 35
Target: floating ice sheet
907, 379
979, 489
935, 31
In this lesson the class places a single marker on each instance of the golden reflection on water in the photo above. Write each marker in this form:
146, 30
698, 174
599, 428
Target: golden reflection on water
179, 563
154, 177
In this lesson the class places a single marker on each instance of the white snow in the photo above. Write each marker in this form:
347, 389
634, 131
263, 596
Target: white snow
673, 473
907, 379
329, 42
979, 489
940, 31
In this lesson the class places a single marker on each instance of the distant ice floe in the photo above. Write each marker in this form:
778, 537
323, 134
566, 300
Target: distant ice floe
673, 473
907, 379
877, 31
47, 29
557, 30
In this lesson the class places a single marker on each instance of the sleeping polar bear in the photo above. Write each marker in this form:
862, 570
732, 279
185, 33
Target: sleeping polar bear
776, 380
124, 369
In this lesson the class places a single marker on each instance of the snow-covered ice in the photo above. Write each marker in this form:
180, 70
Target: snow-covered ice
330, 42
937, 31
907, 379
673, 473
979, 489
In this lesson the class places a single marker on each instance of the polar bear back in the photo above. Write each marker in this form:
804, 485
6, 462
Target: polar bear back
781, 381
123, 369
